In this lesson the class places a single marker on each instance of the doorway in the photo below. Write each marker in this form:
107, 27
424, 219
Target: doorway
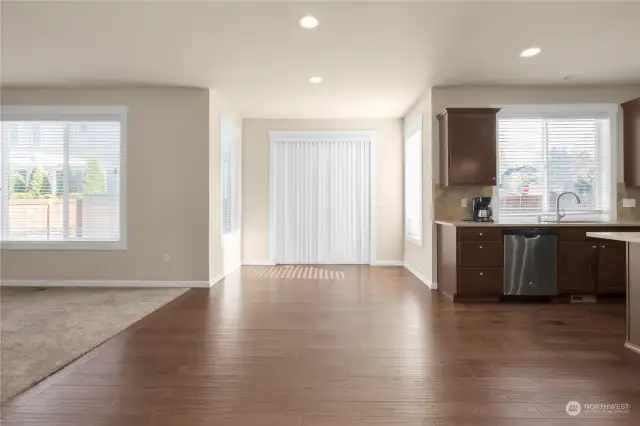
321, 197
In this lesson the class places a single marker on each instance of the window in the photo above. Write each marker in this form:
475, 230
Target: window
62, 187
229, 139
413, 182
544, 151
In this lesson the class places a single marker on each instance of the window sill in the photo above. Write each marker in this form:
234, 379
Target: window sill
63, 245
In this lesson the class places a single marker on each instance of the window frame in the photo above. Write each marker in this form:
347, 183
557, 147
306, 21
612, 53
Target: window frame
71, 113
228, 130
414, 127
603, 110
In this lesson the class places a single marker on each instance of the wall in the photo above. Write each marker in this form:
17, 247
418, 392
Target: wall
447, 200
167, 204
224, 256
255, 178
420, 259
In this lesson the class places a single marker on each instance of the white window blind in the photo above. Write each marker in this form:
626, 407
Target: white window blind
543, 154
413, 182
62, 179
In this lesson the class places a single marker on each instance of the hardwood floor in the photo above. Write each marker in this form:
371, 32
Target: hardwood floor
377, 348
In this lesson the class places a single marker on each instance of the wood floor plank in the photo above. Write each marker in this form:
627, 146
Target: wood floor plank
377, 348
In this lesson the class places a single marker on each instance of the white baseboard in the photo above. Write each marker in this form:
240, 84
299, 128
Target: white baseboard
216, 280
428, 283
105, 283
387, 263
233, 268
258, 263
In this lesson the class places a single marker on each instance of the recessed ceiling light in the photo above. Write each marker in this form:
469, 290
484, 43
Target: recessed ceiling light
308, 22
530, 52
315, 80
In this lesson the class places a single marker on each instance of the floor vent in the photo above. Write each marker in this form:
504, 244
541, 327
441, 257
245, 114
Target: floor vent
583, 298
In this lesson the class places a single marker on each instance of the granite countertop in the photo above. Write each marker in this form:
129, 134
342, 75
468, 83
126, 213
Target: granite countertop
630, 237
499, 224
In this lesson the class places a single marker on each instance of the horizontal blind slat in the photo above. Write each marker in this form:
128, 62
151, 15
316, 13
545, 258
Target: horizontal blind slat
541, 157
40, 159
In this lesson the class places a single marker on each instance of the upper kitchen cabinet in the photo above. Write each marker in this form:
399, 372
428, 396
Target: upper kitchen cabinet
631, 142
468, 146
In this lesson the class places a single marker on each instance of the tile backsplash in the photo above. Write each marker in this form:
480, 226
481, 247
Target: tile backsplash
447, 201
628, 213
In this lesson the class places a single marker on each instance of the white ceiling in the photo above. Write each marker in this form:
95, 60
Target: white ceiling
375, 58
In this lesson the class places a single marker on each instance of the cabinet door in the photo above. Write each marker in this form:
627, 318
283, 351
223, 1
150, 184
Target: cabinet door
631, 142
577, 264
472, 149
612, 267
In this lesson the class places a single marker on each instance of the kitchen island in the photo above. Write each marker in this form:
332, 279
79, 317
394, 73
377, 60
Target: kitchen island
632, 240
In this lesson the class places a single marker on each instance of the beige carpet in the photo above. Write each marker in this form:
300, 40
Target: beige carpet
43, 330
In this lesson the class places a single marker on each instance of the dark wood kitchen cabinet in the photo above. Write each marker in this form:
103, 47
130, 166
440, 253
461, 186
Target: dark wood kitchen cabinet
588, 265
577, 261
468, 146
612, 267
470, 262
631, 142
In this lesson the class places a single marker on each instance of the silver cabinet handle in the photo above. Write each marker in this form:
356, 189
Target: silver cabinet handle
480, 234
481, 273
595, 246
603, 246
480, 247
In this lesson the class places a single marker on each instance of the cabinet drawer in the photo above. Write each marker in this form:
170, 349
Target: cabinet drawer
480, 282
487, 254
479, 234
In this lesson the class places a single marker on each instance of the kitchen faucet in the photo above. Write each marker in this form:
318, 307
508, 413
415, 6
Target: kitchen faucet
563, 214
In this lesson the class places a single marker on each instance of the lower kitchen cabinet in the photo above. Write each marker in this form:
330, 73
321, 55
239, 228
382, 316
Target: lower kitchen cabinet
482, 282
577, 262
592, 267
612, 267
470, 262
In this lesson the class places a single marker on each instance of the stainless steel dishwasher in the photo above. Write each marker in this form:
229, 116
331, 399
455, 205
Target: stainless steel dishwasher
530, 262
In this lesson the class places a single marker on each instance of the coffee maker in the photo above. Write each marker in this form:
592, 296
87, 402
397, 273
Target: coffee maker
481, 209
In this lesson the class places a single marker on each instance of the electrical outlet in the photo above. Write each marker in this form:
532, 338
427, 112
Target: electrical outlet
629, 202
463, 203
166, 258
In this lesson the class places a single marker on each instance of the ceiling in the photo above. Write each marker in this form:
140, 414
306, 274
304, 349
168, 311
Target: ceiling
375, 58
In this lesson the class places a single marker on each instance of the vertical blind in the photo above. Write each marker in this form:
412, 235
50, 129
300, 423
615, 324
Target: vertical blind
541, 156
322, 201
61, 178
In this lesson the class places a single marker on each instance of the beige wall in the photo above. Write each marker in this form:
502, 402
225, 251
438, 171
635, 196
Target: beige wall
420, 258
255, 178
224, 256
167, 205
